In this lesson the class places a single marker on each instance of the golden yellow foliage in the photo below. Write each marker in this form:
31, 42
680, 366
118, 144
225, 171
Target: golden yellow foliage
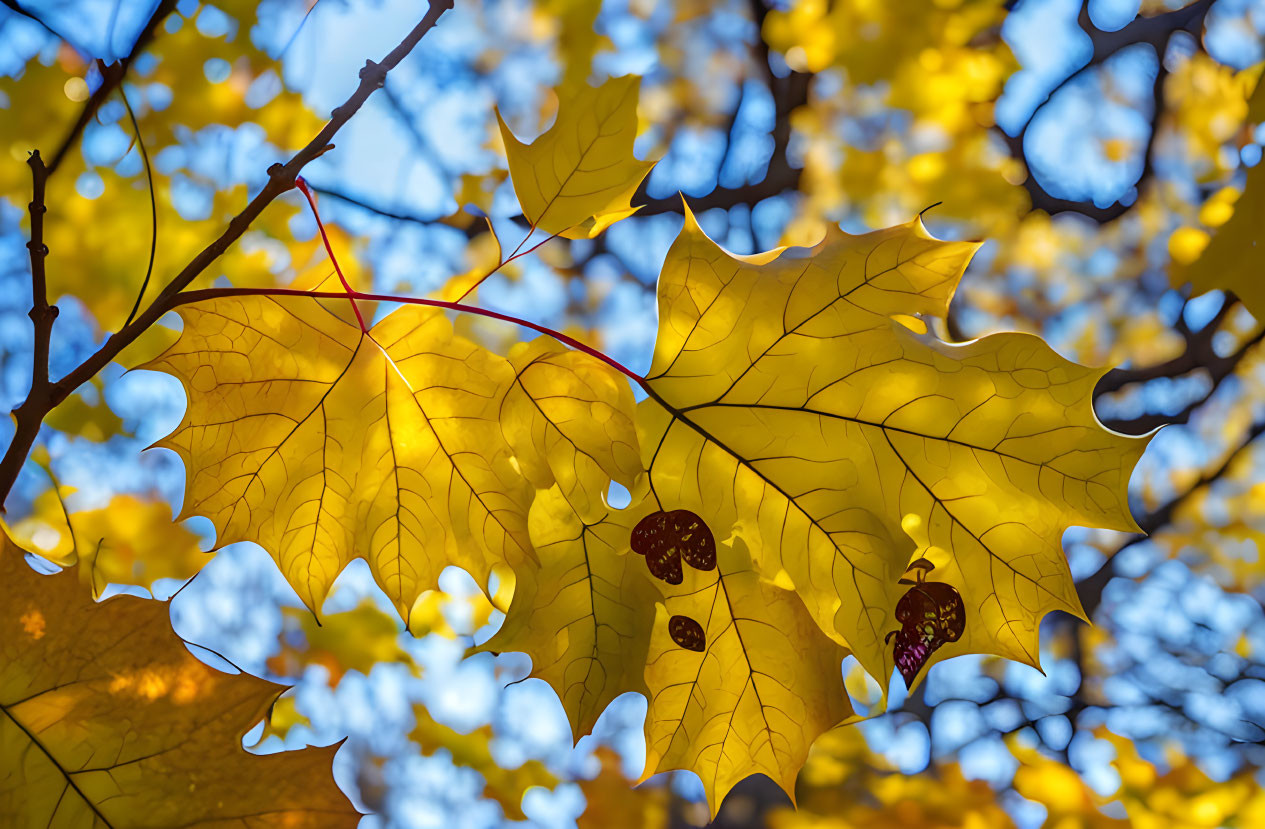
584, 614
568, 418
323, 443
111, 721
577, 178
851, 442
751, 699
353, 640
846, 786
96, 422
612, 803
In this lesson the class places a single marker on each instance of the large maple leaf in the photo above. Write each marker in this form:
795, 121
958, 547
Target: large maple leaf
795, 404
323, 443
107, 720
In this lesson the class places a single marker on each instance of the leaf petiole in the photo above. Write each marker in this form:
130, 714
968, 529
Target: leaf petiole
186, 297
301, 183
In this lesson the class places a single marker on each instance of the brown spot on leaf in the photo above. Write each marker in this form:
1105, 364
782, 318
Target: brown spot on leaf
930, 614
687, 633
667, 538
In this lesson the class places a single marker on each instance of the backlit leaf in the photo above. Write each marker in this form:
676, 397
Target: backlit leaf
323, 444
754, 695
789, 408
473, 751
569, 419
584, 613
578, 177
110, 721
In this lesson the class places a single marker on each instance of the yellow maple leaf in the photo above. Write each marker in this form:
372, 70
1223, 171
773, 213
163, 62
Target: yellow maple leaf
790, 408
111, 721
754, 694
569, 419
323, 443
578, 178
584, 613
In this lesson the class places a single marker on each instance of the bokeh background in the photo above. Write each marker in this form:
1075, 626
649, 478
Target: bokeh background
1094, 146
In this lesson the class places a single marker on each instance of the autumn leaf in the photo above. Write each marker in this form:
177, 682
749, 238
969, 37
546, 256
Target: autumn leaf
322, 443
578, 178
796, 402
569, 419
1227, 257
612, 803
740, 679
584, 614
504, 785
94, 421
109, 720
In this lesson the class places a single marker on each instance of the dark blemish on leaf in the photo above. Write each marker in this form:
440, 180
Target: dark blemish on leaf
931, 614
687, 633
667, 538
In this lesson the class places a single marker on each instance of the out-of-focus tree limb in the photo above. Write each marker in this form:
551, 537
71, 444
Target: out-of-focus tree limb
789, 93
1154, 31
111, 76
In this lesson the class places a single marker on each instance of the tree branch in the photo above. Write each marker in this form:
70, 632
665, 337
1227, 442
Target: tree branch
1154, 31
1217, 368
789, 93
111, 77
280, 179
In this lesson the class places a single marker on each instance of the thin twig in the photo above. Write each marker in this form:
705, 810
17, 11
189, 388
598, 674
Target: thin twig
42, 314
517, 253
28, 416
111, 77
329, 250
153, 208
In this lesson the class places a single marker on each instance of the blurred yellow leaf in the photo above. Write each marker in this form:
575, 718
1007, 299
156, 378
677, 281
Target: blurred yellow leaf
353, 640
612, 802
504, 785
132, 540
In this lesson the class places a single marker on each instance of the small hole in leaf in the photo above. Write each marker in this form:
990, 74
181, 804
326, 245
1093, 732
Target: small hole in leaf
618, 496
